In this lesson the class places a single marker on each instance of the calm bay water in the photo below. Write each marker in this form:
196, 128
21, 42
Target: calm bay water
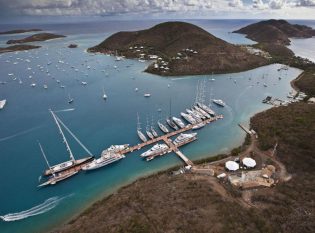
100, 123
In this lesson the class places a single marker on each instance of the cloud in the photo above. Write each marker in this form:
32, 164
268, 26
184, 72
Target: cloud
259, 5
176, 8
96, 7
236, 3
277, 4
306, 3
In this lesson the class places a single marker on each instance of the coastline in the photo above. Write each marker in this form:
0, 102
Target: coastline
104, 183
208, 159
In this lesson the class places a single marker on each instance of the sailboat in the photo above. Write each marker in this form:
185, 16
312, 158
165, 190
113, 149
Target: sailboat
70, 100
155, 134
72, 162
169, 120
118, 58
104, 95
140, 134
163, 127
205, 107
150, 135
54, 178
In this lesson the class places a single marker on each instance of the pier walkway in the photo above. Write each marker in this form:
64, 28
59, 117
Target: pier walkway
245, 129
168, 141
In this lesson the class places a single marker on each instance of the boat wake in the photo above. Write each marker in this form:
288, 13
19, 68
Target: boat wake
36, 210
229, 115
20, 133
65, 110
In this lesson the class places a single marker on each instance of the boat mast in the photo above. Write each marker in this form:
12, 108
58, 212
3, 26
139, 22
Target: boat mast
197, 93
63, 136
210, 97
138, 122
43, 153
170, 107
75, 138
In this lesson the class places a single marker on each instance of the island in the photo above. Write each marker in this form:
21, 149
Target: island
272, 37
35, 37
18, 31
72, 46
275, 31
179, 48
15, 48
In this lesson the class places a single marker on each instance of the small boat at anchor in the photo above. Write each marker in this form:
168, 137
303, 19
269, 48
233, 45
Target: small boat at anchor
219, 102
104, 94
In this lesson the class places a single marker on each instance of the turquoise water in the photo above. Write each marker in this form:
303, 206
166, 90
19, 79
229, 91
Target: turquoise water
100, 123
304, 47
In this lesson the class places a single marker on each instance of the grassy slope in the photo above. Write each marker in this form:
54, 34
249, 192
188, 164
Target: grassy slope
163, 203
291, 206
168, 39
306, 82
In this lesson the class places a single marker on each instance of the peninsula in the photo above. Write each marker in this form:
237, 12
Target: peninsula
36, 37
273, 37
179, 48
275, 31
18, 31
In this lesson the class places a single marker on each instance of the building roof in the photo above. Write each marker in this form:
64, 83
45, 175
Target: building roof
249, 162
232, 166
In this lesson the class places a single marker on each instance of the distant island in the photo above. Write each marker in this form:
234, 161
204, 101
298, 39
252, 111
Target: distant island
35, 37
275, 31
17, 31
180, 48
273, 37
72, 46
15, 48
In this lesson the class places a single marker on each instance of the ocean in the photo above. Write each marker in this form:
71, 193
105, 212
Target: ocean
98, 123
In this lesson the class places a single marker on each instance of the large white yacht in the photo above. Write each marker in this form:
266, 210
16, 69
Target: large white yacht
104, 160
178, 122
219, 102
184, 138
188, 118
157, 149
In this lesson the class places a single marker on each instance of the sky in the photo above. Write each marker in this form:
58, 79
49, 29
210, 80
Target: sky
124, 9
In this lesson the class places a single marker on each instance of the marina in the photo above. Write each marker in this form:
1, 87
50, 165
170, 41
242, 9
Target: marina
100, 124
114, 153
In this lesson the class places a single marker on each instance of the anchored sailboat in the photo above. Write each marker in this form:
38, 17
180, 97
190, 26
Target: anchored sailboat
72, 162
70, 100
104, 94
